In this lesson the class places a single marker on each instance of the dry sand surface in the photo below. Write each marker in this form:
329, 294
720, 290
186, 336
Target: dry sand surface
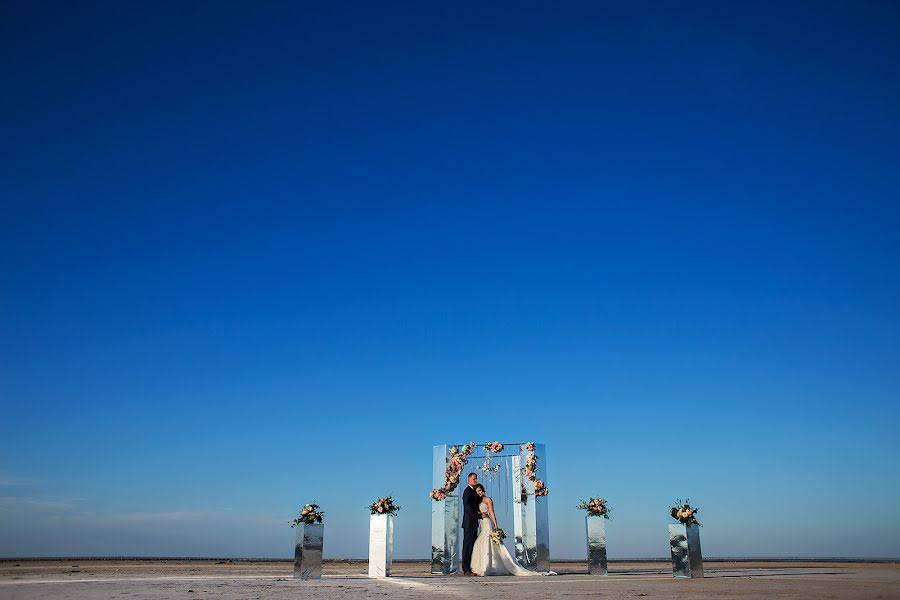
195, 580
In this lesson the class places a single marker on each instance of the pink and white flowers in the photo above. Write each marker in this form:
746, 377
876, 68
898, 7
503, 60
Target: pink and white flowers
684, 513
531, 470
595, 507
384, 506
309, 514
498, 535
459, 457
455, 465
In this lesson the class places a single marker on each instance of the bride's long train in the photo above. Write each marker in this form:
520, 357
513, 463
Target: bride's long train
489, 558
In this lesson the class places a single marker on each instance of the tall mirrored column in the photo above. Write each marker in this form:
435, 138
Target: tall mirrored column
308, 551
596, 542
444, 520
530, 514
524, 539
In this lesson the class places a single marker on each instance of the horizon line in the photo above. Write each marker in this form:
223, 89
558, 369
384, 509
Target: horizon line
226, 559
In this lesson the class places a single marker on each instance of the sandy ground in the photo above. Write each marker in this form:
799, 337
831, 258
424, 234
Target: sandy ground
194, 580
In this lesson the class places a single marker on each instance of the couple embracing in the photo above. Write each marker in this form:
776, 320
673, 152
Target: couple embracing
480, 555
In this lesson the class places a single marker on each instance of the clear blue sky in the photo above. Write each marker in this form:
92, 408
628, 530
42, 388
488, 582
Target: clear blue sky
260, 254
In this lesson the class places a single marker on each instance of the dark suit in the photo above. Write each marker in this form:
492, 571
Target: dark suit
471, 516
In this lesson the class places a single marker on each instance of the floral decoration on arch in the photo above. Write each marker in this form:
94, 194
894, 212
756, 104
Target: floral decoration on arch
531, 470
493, 447
458, 459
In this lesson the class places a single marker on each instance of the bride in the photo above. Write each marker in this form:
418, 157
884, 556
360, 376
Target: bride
489, 558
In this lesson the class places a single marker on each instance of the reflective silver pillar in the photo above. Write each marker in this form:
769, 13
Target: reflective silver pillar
444, 520
381, 545
530, 519
308, 551
687, 560
596, 542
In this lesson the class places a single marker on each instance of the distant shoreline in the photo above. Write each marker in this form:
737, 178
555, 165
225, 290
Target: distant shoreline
808, 559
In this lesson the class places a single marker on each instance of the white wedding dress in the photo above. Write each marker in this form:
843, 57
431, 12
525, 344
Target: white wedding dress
489, 558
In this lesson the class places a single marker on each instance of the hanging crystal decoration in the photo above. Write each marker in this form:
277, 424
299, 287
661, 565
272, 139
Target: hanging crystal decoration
487, 467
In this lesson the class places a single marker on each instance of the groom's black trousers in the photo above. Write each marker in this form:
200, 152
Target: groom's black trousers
469, 535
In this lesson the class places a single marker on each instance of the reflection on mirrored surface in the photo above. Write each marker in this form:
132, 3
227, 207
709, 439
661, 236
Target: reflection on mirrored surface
678, 545
684, 542
308, 551
444, 519
596, 541
444, 535
695, 556
520, 500
542, 517
531, 523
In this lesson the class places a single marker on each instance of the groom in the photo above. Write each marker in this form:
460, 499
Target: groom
471, 515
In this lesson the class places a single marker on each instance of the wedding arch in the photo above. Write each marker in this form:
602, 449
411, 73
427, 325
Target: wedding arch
519, 467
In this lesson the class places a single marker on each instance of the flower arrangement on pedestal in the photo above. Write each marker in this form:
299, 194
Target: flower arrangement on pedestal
309, 515
595, 507
458, 459
384, 506
531, 470
684, 513
498, 535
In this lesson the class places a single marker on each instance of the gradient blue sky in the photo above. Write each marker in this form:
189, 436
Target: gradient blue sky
260, 254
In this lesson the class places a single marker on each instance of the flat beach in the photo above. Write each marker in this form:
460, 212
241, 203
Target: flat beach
223, 579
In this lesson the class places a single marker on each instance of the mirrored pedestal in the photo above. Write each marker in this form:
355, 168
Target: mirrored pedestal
596, 542
308, 551
687, 560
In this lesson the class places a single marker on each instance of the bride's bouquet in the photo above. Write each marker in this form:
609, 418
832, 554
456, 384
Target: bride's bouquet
498, 535
595, 507
684, 513
384, 506
309, 515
